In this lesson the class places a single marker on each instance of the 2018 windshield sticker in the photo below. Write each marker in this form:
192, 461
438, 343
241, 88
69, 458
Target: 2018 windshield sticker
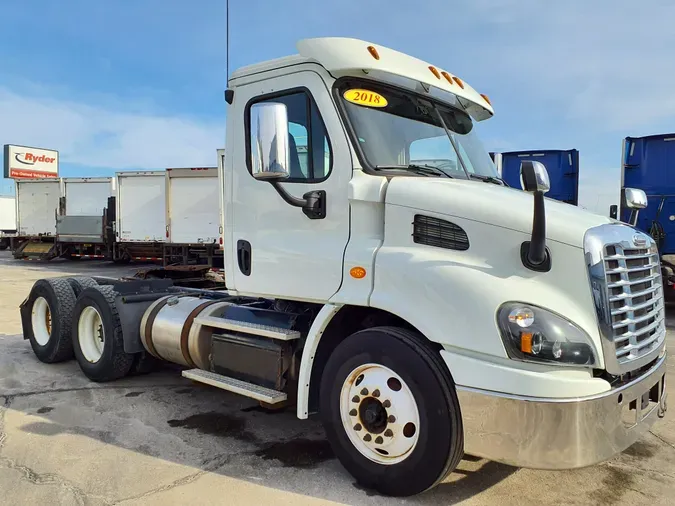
365, 97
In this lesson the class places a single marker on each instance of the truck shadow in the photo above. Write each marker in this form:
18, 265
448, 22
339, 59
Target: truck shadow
224, 434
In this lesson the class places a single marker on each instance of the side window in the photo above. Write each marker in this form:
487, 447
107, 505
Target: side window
311, 156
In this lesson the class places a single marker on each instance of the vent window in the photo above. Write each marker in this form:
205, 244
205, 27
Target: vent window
439, 233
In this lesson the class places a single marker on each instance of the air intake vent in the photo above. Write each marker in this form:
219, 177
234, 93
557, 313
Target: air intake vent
439, 233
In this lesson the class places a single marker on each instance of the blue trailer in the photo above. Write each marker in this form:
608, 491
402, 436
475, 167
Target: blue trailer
648, 163
562, 167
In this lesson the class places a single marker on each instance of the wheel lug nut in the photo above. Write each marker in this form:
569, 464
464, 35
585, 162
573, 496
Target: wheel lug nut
353, 412
379, 440
386, 404
389, 433
364, 391
367, 438
391, 419
357, 427
376, 393
355, 398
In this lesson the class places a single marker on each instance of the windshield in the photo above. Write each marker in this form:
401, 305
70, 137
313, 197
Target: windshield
396, 129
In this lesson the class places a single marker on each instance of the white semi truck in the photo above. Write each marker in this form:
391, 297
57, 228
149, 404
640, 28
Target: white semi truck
380, 276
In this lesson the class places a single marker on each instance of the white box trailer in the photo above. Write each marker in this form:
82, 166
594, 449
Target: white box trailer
141, 206
192, 206
37, 205
7, 219
7, 214
86, 196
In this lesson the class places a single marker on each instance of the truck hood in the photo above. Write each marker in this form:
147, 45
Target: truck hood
509, 208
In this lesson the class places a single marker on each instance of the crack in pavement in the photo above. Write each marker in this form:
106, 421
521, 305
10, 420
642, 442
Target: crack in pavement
667, 443
36, 478
214, 464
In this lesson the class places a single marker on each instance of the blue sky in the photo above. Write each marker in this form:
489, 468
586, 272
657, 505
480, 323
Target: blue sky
138, 84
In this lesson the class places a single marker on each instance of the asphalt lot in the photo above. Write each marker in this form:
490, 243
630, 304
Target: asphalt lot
160, 439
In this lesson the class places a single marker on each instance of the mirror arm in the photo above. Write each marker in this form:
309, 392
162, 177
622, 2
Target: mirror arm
313, 203
632, 221
537, 253
534, 253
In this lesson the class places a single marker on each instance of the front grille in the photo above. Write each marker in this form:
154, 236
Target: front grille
631, 307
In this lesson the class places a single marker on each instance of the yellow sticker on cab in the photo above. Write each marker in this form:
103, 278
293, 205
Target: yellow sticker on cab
365, 97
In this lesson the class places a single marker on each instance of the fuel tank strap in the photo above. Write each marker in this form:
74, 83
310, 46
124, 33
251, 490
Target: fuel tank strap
185, 331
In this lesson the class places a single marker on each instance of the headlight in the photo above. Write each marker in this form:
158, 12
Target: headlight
534, 334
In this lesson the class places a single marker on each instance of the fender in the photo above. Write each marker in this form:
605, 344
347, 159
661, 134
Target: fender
314, 335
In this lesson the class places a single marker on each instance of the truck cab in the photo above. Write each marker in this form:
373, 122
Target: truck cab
381, 276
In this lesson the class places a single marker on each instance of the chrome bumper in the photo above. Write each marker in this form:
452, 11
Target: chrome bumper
561, 433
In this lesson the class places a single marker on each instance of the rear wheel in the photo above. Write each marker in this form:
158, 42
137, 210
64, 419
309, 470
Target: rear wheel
97, 336
390, 411
78, 284
51, 303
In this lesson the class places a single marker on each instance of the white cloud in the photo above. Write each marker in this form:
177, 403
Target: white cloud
102, 136
606, 61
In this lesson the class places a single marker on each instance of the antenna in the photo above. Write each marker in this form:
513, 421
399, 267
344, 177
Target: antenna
227, 42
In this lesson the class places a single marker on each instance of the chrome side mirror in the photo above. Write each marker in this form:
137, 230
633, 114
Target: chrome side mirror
270, 150
635, 198
534, 177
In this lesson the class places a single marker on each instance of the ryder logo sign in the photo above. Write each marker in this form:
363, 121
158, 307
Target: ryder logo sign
22, 162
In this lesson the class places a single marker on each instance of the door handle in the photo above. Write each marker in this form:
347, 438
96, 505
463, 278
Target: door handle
244, 256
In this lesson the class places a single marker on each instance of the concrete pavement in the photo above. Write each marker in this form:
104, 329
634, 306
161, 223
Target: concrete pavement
160, 439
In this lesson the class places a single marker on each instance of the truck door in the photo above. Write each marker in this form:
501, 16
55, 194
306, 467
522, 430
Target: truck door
278, 251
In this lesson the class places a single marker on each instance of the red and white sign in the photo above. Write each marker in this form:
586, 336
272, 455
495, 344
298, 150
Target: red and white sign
22, 162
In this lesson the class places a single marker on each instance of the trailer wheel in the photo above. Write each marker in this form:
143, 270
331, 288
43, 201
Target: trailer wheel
51, 303
390, 411
97, 336
78, 284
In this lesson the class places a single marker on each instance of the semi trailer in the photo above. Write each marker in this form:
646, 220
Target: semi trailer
192, 217
379, 275
7, 220
83, 228
140, 226
562, 167
37, 205
647, 164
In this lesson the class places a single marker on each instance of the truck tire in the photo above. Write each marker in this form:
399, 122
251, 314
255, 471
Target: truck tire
51, 303
390, 411
97, 336
78, 284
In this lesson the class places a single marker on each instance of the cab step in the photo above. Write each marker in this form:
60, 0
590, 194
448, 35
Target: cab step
266, 395
249, 328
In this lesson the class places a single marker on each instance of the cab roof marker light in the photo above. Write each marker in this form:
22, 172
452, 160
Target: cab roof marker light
434, 71
458, 81
485, 97
447, 77
373, 52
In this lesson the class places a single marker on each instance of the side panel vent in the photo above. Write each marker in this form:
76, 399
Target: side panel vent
439, 233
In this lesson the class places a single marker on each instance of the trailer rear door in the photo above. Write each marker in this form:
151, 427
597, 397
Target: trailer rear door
38, 202
141, 209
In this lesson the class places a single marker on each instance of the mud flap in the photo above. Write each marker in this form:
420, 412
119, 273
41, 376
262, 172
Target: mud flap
25, 317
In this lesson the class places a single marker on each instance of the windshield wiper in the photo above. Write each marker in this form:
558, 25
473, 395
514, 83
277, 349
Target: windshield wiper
427, 170
489, 179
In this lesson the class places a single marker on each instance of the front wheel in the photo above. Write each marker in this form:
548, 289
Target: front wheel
390, 411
